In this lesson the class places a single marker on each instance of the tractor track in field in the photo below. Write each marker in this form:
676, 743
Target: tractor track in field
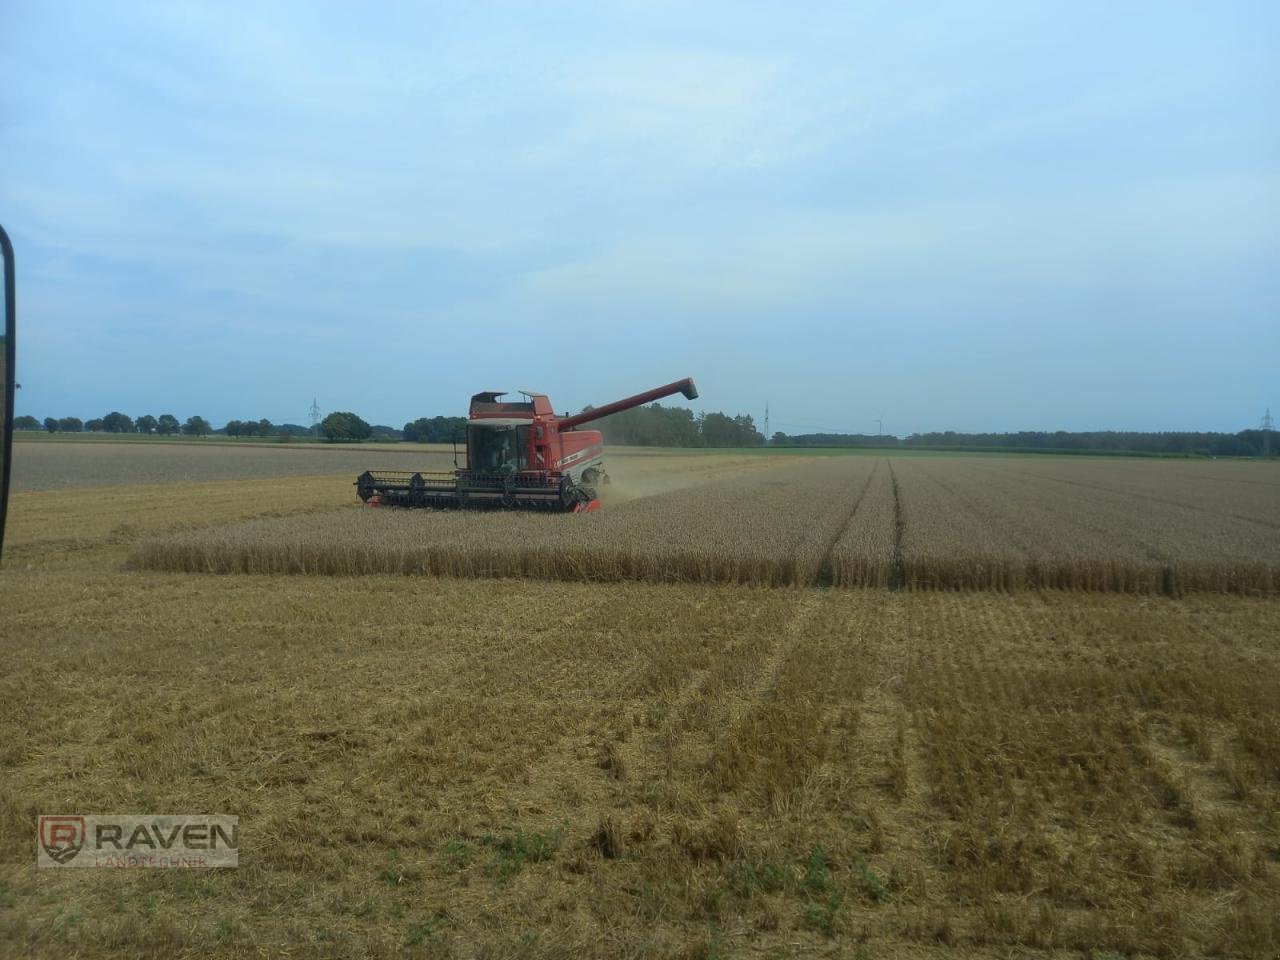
698, 707
898, 579
826, 572
766, 687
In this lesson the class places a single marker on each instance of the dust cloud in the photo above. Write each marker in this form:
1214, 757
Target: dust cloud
636, 475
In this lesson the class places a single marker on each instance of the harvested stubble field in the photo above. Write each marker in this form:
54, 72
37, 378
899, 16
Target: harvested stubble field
65, 465
463, 767
944, 523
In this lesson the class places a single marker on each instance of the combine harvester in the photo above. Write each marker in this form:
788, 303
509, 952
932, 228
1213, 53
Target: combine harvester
519, 456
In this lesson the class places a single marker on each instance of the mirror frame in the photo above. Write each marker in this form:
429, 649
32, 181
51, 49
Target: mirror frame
10, 380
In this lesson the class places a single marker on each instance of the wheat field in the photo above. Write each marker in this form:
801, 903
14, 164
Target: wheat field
476, 767
922, 523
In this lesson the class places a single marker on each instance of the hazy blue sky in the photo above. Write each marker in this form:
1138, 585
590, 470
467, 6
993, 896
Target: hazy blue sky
964, 215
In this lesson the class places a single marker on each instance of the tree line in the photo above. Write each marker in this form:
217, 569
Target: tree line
659, 426
656, 425
337, 427
1246, 443
781, 439
434, 429
344, 427
116, 422
653, 425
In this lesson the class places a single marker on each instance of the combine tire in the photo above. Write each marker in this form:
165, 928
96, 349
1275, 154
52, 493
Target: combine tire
568, 493
508, 498
364, 486
573, 496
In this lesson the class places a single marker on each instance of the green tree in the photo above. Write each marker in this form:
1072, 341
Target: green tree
26, 423
51, 424
146, 424
748, 435
196, 427
344, 427
721, 431
70, 424
167, 424
117, 422
95, 425
651, 426
434, 429
249, 428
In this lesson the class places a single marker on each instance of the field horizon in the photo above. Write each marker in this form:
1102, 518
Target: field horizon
768, 448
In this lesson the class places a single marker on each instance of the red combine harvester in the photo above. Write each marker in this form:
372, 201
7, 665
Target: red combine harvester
518, 456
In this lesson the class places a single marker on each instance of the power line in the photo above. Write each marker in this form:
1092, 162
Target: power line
1266, 433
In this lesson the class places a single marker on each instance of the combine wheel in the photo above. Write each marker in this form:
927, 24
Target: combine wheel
568, 493
416, 486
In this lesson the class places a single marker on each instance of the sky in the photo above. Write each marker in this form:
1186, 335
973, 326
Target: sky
970, 216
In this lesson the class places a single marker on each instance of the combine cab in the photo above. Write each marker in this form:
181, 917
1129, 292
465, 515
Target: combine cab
519, 455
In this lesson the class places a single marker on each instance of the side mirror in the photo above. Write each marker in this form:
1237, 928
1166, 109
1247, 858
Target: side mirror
7, 384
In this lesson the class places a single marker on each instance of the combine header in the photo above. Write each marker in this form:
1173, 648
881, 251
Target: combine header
518, 456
